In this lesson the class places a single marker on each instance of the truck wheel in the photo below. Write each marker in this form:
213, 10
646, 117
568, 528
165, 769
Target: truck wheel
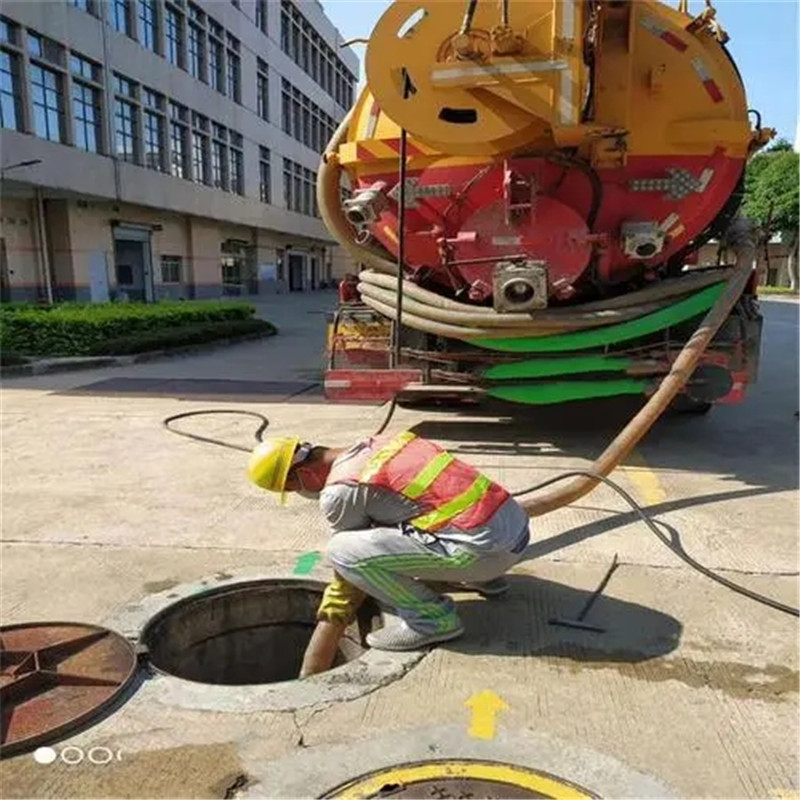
683, 404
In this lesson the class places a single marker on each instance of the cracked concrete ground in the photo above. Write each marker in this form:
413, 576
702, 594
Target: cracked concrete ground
692, 688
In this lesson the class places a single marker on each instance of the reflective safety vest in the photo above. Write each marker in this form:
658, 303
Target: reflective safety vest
452, 493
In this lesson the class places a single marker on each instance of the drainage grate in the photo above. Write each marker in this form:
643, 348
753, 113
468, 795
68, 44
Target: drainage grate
251, 633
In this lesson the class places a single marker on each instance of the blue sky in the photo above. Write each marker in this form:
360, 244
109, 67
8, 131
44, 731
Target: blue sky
764, 36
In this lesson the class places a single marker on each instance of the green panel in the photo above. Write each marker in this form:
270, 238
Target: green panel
546, 393
611, 334
547, 367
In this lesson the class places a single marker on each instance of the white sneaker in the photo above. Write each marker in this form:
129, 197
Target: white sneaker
402, 637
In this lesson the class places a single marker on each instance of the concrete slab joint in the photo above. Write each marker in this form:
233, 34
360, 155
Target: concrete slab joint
366, 673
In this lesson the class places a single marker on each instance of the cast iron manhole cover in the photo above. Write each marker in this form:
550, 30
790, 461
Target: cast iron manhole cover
54, 676
463, 779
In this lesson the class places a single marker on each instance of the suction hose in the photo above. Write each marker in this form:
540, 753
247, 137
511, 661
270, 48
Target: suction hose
741, 238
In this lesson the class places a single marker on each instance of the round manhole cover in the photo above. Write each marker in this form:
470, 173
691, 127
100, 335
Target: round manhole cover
55, 676
459, 779
251, 633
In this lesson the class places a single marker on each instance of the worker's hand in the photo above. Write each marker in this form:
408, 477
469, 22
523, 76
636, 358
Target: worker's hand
321, 650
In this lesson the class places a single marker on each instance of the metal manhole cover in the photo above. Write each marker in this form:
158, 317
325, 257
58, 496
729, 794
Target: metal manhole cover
54, 676
463, 779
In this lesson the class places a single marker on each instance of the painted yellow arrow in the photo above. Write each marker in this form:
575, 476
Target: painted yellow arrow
485, 706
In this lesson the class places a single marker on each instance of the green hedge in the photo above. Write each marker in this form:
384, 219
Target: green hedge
73, 329
147, 341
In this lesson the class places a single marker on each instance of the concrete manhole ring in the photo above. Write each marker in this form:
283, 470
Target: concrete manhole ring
444, 761
233, 642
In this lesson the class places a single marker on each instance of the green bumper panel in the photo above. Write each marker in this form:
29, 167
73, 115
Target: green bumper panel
564, 391
611, 334
548, 367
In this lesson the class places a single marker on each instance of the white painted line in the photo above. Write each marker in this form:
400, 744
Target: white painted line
333, 384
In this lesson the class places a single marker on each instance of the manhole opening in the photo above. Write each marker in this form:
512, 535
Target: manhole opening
461, 788
249, 633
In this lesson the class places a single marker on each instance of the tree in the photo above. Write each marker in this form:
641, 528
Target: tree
772, 196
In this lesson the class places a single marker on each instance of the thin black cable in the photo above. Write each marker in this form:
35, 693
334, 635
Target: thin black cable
259, 434
388, 417
676, 547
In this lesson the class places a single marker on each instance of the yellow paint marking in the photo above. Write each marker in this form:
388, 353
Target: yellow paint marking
545, 785
647, 484
485, 706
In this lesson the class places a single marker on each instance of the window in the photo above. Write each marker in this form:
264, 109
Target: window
215, 59
199, 157
261, 15
147, 24
237, 172
171, 269
120, 16
234, 70
84, 68
10, 94
153, 99
219, 165
303, 119
87, 116
299, 188
301, 42
48, 103
125, 130
8, 31
124, 86
265, 186
196, 55
153, 141
177, 140
45, 49
85, 5
174, 29
262, 90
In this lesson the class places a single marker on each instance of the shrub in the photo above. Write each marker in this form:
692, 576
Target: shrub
75, 329
147, 341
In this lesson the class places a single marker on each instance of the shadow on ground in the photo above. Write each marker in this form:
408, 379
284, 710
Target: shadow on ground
517, 624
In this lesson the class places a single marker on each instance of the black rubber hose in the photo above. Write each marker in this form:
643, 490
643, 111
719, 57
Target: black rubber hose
676, 548
259, 434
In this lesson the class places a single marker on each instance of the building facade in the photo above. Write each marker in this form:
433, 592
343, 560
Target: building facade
166, 148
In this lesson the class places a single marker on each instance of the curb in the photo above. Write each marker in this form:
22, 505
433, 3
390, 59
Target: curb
47, 366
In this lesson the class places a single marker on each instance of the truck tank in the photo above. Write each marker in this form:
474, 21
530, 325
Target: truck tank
545, 171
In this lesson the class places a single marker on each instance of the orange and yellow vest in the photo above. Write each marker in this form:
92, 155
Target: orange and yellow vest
451, 493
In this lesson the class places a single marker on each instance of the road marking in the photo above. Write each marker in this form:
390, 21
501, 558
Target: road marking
485, 706
306, 562
646, 481
406, 776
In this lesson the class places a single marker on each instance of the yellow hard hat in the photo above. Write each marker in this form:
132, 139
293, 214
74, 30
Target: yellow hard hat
270, 463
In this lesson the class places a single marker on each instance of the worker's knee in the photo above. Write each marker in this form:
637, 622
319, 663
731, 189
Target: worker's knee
346, 549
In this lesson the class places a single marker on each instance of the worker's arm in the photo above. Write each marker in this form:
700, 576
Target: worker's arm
338, 609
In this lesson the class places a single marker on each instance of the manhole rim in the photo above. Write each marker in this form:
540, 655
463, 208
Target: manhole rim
91, 716
228, 587
356, 678
471, 768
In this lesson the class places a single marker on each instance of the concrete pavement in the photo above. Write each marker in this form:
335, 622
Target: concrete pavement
693, 688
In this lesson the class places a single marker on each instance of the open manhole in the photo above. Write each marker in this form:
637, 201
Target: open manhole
462, 778
249, 633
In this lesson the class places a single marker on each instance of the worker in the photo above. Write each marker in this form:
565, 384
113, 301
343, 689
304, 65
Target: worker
403, 512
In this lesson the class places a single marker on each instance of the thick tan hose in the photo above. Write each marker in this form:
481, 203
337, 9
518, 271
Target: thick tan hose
330, 204
523, 324
742, 242
666, 291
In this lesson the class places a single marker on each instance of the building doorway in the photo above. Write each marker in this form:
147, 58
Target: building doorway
5, 280
314, 273
296, 268
133, 263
